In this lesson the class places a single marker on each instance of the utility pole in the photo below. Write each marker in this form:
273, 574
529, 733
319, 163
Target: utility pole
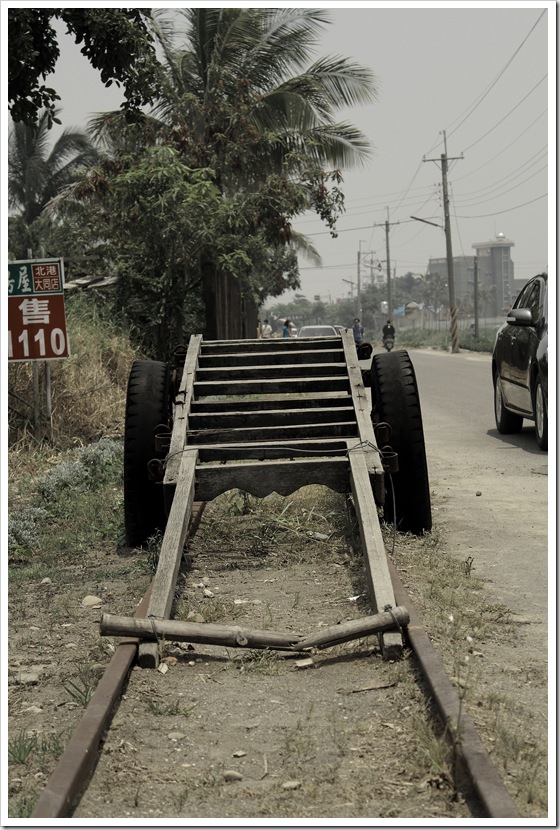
387, 225
476, 297
359, 312
450, 274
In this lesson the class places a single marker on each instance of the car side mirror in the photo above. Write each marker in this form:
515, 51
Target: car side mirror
520, 317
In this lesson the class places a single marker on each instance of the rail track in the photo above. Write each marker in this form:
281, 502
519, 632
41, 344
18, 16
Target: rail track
210, 447
76, 767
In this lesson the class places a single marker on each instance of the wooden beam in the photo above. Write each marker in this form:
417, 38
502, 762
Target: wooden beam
377, 567
362, 405
288, 344
343, 429
181, 411
282, 386
283, 477
269, 417
333, 635
237, 636
267, 450
264, 404
269, 372
189, 632
163, 586
270, 358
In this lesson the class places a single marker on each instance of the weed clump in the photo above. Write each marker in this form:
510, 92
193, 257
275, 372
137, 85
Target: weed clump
62, 490
23, 530
94, 465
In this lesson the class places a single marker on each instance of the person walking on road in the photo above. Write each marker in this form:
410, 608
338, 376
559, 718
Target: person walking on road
358, 331
266, 331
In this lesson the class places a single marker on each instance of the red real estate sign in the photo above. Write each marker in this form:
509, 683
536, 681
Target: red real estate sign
36, 313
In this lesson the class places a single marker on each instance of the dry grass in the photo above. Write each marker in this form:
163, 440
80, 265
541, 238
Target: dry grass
88, 389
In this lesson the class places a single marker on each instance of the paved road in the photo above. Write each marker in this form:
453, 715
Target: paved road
505, 529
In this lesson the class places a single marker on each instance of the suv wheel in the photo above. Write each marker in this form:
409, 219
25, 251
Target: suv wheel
541, 416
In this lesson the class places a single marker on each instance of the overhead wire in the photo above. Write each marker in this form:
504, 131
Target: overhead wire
503, 149
493, 83
501, 121
464, 117
468, 198
508, 210
535, 158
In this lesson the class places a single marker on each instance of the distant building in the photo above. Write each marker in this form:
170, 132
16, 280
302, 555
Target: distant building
495, 267
463, 273
495, 275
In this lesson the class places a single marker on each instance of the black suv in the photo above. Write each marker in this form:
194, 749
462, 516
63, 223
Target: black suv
520, 363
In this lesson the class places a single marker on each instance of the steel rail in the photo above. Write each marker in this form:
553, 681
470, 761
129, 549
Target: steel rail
75, 767
482, 773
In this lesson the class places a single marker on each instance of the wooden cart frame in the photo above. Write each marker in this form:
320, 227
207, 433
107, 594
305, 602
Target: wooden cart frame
263, 416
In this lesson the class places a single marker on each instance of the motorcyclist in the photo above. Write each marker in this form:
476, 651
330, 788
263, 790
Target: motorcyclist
388, 331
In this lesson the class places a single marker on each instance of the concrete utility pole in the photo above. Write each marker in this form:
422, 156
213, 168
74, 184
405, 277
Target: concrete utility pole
359, 307
450, 274
359, 274
387, 225
476, 297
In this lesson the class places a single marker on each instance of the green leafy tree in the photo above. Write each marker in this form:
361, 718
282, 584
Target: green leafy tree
157, 215
117, 42
240, 98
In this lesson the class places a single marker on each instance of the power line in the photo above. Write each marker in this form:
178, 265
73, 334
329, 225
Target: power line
507, 114
508, 210
469, 200
502, 150
503, 192
496, 79
347, 230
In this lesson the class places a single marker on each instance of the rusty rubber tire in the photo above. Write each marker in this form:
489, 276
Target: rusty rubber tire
397, 402
148, 404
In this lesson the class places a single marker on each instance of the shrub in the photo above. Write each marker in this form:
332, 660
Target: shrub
95, 465
22, 531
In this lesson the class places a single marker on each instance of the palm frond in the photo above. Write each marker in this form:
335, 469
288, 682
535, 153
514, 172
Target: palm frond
333, 83
339, 145
305, 247
287, 36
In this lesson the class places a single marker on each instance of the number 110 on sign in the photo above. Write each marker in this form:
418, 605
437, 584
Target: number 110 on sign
41, 344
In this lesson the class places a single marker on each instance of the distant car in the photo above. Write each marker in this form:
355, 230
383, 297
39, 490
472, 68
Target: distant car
318, 331
520, 363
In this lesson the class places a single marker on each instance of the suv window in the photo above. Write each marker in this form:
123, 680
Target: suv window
521, 301
530, 298
533, 301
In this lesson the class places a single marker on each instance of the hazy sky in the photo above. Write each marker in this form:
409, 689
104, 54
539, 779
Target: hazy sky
479, 71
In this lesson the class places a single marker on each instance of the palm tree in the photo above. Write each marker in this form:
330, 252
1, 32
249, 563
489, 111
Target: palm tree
243, 77
35, 174
242, 98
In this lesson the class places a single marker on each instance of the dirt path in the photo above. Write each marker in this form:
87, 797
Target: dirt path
251, 734
230, 734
